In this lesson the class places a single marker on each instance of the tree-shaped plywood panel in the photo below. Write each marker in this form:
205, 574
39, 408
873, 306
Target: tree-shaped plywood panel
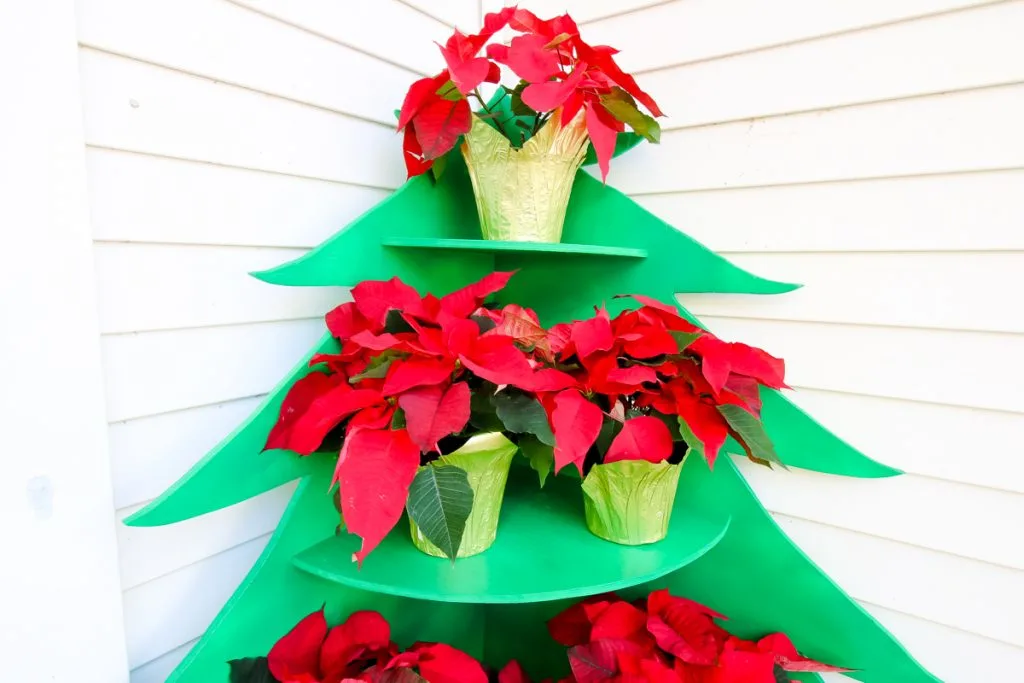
724, 550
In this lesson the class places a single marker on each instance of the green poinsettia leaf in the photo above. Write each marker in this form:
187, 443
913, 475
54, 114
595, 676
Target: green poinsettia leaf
482, 414
520, 108
437, 168
610, 428
672, 423
377, 368
523, 414
395, 322
751, 433
440, 500
622, 106
250, 670
398, 419
483, 323
541, 456
695, 444
449, 91
684, 339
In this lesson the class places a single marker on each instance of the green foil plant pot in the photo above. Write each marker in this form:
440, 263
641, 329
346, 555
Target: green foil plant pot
630, 501
486, 459
522, 194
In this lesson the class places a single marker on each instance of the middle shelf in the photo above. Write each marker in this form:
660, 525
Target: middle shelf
543, 552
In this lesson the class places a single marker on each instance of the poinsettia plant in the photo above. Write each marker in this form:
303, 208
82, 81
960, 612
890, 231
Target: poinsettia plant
413, 376
560, 77
668, 639
650, 385
359, 649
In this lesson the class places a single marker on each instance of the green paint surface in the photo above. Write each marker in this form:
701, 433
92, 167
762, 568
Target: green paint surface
542, 548
427, 234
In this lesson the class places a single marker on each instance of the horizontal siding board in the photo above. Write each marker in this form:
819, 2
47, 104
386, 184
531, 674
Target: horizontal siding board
384, 27
147, 553
689, 30
134, 106
160, 668
903, 434
465, 14
157, 372
151, 287
971, 369
142, 198
953, 655
264, 54
966, 211
583, 11
905, 578
901, 60
944, 516
951, 291
938, 134
149, 454
166, 613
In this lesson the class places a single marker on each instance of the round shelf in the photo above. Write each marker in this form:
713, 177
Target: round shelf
496, 247
543, 552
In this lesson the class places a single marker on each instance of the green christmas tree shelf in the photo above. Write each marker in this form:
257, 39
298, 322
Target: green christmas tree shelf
723, 550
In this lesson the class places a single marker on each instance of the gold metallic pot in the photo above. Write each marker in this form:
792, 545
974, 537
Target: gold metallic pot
630, 501
522, 194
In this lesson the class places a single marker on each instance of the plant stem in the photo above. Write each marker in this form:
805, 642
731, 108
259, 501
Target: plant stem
480, 99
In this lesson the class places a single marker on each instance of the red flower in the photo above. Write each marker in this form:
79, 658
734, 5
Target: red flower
720, 360
407, 355
641, 438
440, 663
576, 423
667, 639
684, 628
786, 656
656, 367
310, 653
573, 625
563, 75
296, 657
361, 649
460, 53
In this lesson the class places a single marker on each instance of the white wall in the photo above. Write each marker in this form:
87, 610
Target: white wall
222, 136
873, 151
60, 602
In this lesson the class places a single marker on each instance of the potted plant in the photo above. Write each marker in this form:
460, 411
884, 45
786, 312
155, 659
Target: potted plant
650, 389
360, 649
665, 638
524, 147
396, 401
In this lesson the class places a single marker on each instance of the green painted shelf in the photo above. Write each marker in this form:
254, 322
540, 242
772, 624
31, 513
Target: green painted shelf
543, 552
494, 246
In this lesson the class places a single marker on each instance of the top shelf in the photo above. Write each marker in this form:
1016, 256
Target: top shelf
494, 246
543, 552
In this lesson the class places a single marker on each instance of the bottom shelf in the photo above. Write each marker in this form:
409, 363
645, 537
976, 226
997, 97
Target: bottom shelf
543, 552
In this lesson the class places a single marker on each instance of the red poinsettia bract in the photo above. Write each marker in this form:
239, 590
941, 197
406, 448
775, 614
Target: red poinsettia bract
560, 76
313, 653
398, 384
360, 649
649, 378
668, 639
